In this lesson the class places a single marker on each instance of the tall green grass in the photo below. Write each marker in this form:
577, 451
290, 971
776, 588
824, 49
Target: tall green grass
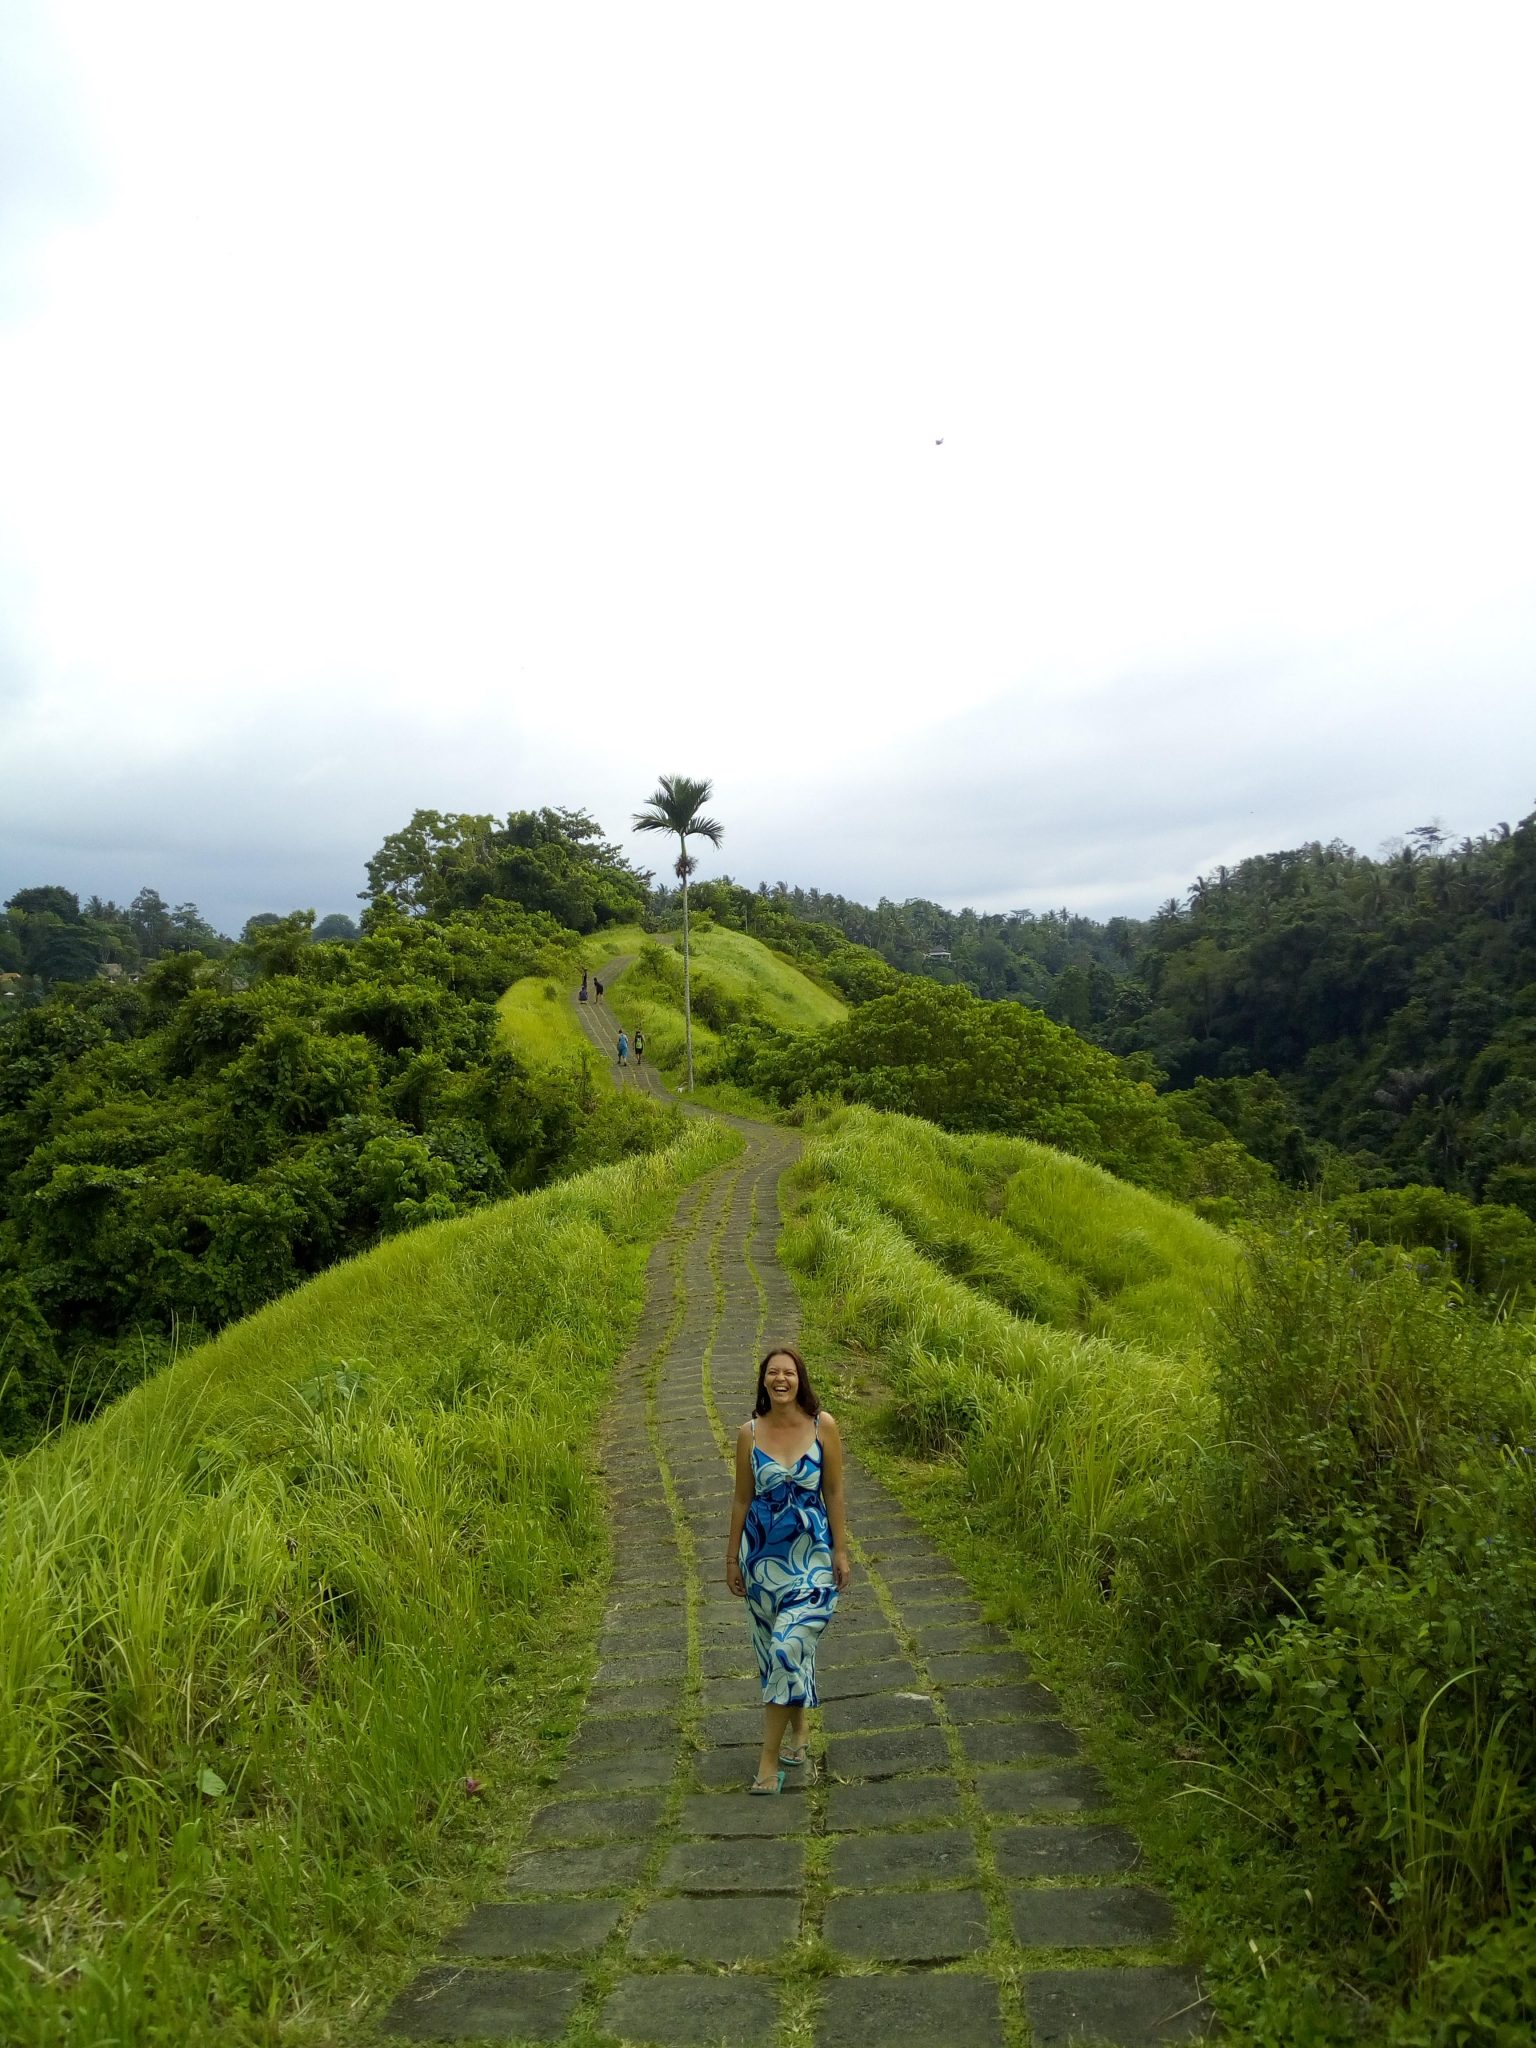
1032, 1314
252, 1619
1280, 1498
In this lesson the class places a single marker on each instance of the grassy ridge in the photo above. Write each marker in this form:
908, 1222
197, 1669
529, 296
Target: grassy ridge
734, 977
1277, 1507
252, 1620
1027, 1308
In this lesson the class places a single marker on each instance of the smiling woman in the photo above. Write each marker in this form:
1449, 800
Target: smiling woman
787, 1553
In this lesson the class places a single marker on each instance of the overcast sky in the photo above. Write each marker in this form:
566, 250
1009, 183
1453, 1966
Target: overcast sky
483, 406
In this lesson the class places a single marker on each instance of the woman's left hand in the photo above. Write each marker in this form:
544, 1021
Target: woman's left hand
842, 1570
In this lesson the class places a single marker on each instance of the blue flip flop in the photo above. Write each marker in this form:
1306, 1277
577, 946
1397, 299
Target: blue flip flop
767, 1791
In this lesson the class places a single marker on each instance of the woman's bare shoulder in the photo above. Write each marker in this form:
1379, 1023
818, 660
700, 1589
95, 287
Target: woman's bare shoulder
828, 1420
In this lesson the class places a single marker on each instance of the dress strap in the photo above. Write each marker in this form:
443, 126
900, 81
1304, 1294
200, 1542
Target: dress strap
818, 1425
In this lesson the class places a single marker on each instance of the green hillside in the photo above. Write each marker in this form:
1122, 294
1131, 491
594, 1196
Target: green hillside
258, 1620
1026, 1308
1264, 1510
736, 979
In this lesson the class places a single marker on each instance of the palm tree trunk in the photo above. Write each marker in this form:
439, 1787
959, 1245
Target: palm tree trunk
687, 986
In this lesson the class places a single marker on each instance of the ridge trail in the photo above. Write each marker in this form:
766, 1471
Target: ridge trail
950, 1876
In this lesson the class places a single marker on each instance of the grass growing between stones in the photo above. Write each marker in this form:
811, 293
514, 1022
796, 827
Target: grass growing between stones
263, 1618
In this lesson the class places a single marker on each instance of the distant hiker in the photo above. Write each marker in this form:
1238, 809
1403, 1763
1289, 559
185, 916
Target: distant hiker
623, 1050
583, 984
639, 1047
598, 986
581, 993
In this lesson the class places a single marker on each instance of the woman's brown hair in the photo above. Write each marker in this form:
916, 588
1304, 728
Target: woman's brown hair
805, 1393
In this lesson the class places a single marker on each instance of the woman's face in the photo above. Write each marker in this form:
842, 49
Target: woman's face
781, 1377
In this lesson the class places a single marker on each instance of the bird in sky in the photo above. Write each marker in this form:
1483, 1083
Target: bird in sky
939, 443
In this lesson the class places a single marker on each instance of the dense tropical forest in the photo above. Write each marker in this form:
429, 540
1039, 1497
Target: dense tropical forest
1393, 1000
1190, 1264
189, 1124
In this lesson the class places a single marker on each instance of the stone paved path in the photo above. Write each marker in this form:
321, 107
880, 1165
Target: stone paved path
951, 1875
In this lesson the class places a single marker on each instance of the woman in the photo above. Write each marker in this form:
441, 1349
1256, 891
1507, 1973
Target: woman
787, 1554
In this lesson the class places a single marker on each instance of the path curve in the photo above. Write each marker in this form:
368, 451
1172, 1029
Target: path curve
950, 1847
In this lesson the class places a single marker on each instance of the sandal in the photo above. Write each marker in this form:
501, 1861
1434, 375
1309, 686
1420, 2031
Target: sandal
794, 1759
759, 1790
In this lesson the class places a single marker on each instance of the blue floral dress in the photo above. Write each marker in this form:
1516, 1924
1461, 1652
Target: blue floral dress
786, 1560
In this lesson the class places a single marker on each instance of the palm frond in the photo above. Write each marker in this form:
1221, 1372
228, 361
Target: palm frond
674, 807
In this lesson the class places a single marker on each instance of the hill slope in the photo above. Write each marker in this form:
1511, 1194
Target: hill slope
735, 979
253, 1618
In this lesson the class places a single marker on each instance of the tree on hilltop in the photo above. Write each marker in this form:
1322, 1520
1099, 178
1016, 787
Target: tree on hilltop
675, 805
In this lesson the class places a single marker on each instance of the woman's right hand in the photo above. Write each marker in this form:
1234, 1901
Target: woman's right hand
734, 1580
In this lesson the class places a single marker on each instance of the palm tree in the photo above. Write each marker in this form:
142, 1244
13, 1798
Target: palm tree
674, 807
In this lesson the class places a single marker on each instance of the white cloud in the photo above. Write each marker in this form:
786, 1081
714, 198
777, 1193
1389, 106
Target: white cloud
502, 406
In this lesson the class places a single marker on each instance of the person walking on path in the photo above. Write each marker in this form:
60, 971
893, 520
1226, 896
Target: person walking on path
639, 1047
623, 1050
582, 995
787, 1552
598, 986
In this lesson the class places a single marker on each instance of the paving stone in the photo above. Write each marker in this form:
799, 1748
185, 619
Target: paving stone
1129, 2008
887, 1756
923, 1604
904, 2011
734, 1725
1085, 1916
717, 1813
642, 1771
728, 1660
935, 1637
601, 1735
736, 1767
1055, 1788
720, 1695
850, 1624
597, 1820
456, 2004
645, 1668
716, 1930
692, 2011
604, 1868
633, 1639
846, 1681
651, 1697
890, 1803
905, 1550
907, 1927
879, 1710
1065, 1851
978, 1667
871, 1862
734, 1866
558, 1927
1000, 1702
1013, 1742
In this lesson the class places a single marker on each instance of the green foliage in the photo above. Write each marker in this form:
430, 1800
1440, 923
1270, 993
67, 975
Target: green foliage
1287, 1505
257, 1620
1482, 1244
174, 1155
552, 861
1393, 1001
965, 1064
47, 936
1349, 1584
